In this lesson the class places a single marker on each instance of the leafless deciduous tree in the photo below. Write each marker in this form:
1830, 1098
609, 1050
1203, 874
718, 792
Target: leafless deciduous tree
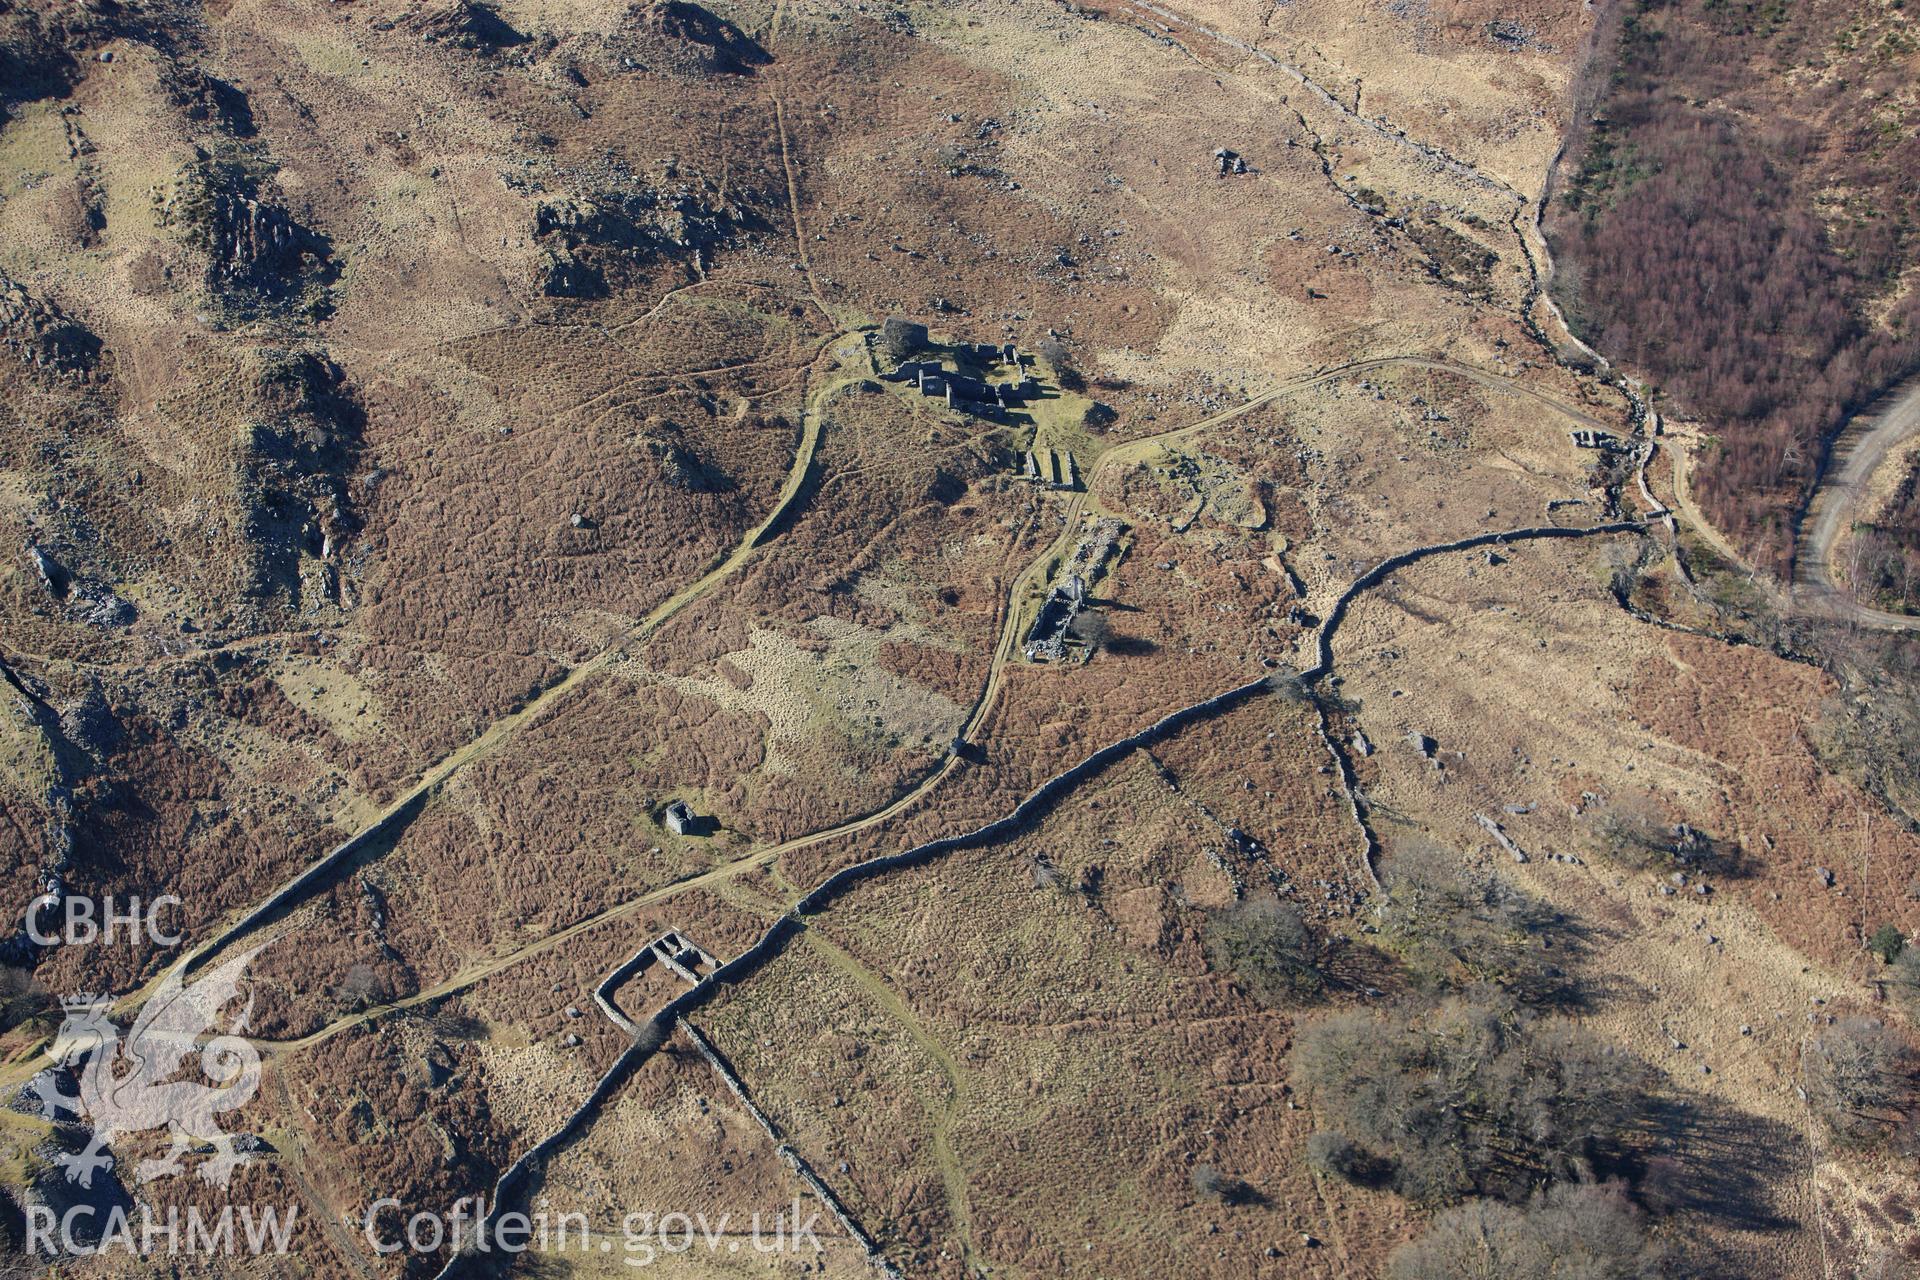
1455, 929
363, 986
1590, 1232
1859, 1077
1474, 1097
900, 337
1903, 980
1060, 359
1268, 949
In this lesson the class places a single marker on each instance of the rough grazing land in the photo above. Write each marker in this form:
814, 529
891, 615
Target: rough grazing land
439, 440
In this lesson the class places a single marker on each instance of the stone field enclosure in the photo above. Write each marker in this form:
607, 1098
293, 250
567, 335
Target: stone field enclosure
1341, 724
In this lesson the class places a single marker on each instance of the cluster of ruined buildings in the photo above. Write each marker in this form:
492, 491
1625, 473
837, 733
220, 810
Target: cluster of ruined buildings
1047, 640
968, 394
1051, 467
993, 401
1585, 438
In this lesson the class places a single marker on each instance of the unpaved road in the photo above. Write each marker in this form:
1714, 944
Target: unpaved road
436, 776
1025, 587
1860, 451
1863, 446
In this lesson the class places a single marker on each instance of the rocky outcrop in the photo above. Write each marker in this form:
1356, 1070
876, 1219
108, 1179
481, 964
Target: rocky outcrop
306, 396
42, 46
679, 465
476, 28
34, 63
687, 37
258, 256
674, 37
38, 333
88, 722
296, 454
87, 599
95, 604
49, 1194
207, 99
253, 240
564, 275
591, 244
45, 48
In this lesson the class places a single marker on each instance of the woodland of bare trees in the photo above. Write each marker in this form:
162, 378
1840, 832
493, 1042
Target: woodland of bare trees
1269, 950
1591, 1232
1472, 1085
1735, 230
1884, 561
1903, 980
1860, 1081
1541, 1148
1475, 1097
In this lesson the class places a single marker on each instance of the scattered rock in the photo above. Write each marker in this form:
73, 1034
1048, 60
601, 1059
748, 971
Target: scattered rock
1505, 33
1229, 161
476, 28
52, 576
97, 605
38, 333
1501, 837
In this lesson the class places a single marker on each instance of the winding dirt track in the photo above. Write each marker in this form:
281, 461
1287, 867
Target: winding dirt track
436, 775
1013, 618
315, 876
1856, 457
1862, 448
1863, 445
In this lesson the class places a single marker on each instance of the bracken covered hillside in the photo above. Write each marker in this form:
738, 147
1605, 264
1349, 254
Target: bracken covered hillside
1272, 796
